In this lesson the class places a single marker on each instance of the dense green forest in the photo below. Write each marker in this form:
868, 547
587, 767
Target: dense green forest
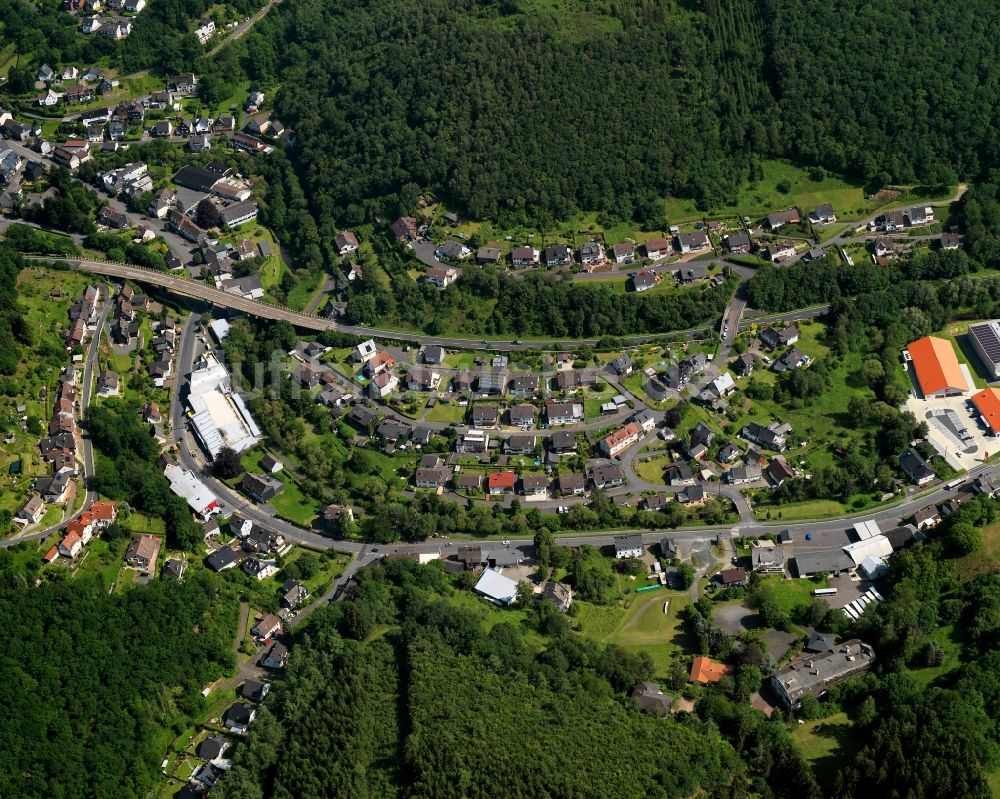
127, 469
441, 706
525, 112
14, 333
89, 682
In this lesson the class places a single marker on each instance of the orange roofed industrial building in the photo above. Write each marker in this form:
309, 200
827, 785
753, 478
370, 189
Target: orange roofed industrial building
987, 404
937, 369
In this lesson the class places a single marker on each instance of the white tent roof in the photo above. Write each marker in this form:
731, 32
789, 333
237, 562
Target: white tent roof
497, 588
877, 546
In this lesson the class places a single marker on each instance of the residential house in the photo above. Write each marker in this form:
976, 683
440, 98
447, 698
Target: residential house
260, 488
777, 219
606, 476
562, 442
522, 416
276, 657
293, 594
404, 228
499, 483
535, 486
823, 214
382, 385
620, 440
779, 250
649, 698
573, 379
767, 437
772, 338
487, 255
926, 517
435, 479
743, 365
524, 256
767, 557
560, 413
738, 243
680, 474
32, 511
239, 717
221, 559
558, 255
792, 359
628, 546
419, 378
442, 277
692, 242
572, 484
657, 248
778, 471
739, 475
623, 253
468, 481
920, 215
267, 626
559, 594
622, 365
485, 416
205, 30
692, 495
520, 445
523, 385
915, 467
733, 577
142, 553
644, 280
592, 254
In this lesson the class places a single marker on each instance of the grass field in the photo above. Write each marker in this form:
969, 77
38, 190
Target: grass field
641, 626
787, 594
303, 291
652, 470
446, 412
794, 511
827, 744
848, 198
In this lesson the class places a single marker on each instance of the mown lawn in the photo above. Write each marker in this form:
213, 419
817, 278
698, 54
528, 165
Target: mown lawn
641, 626
788, 594
652, 470
828, 744
446, 412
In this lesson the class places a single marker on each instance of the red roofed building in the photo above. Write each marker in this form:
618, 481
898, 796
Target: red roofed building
104, 513
51, 555
937, 368
500, 482
71, 545
705, 670
621, 439
987, 403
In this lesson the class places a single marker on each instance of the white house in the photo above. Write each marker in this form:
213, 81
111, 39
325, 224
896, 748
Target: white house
205, 30
628, 546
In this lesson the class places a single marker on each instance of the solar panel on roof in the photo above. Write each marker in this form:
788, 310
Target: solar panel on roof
989, 339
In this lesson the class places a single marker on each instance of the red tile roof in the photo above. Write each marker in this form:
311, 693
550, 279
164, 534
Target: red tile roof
501, 480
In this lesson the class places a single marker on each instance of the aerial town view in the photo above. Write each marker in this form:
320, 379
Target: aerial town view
506, 400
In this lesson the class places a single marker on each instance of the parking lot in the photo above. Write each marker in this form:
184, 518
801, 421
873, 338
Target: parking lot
954, 429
